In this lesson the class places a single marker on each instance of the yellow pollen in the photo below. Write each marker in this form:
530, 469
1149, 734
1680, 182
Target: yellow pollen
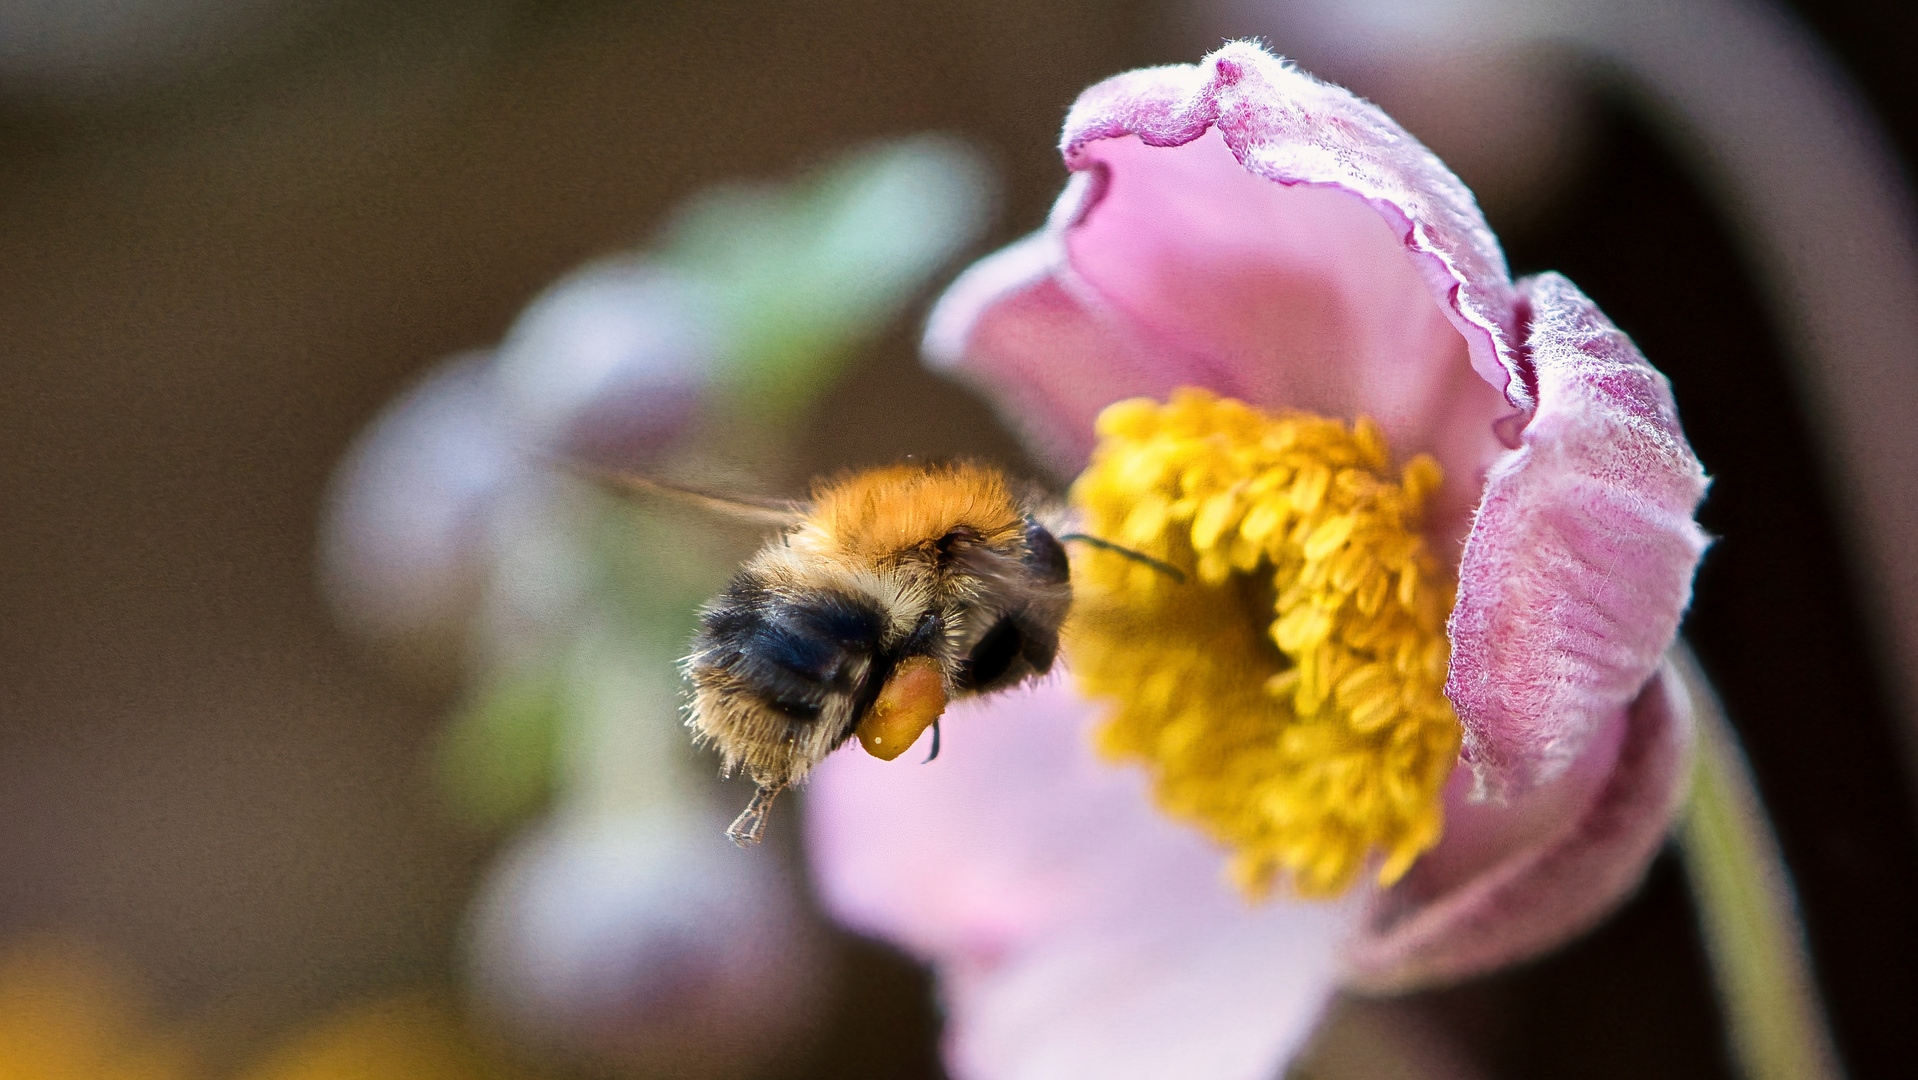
1289, 694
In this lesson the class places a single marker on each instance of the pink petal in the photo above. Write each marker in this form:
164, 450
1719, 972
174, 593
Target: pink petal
1075, 930
1012, 328
1453, 917
1580, 562
1206, 989
1242, 227
1289, 128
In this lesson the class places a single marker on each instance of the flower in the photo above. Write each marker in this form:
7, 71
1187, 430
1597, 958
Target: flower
1241, 228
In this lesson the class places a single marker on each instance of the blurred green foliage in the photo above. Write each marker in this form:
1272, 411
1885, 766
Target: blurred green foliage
804, 271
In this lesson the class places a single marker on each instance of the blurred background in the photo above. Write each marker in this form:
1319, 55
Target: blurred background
232, 231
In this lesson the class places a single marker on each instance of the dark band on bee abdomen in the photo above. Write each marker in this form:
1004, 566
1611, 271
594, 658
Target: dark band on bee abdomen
796, 657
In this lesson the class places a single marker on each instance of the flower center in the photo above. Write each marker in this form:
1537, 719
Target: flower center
1288, 694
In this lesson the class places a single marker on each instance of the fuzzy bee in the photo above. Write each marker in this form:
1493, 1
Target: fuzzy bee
894, 591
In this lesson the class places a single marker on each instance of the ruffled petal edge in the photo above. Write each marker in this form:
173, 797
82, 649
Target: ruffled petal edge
1579, 564
1288, 127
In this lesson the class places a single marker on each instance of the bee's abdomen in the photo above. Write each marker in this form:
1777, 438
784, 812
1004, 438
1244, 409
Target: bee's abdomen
794, 655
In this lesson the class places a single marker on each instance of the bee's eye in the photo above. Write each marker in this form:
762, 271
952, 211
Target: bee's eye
1045, 554
945, 544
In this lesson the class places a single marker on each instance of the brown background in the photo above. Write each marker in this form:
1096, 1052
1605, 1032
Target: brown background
209, 281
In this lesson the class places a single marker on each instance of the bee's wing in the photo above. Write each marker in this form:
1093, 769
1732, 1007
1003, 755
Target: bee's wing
780, 512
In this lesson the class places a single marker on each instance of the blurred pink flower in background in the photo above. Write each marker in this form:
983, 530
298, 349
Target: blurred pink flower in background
1241, 227
652, 942
621, 933
615, 933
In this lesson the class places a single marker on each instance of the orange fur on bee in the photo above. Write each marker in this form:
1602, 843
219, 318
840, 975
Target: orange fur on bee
882, 511
897, 590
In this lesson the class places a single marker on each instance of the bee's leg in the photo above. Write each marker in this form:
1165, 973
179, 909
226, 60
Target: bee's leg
750, 826
935, 744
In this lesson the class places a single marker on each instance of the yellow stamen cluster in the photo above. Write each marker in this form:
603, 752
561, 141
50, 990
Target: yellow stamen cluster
1288, 694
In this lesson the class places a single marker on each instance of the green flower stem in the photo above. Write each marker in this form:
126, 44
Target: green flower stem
1746, 908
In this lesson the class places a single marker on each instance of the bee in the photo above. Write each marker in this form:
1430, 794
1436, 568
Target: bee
891, 593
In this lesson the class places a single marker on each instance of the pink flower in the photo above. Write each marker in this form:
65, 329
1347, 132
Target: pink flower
1241, 227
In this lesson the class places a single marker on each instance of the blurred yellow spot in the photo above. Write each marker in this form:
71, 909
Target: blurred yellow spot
408, 1037
67, 1014
1288, 695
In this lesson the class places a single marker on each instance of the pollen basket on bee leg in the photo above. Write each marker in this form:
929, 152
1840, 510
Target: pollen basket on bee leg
911, 701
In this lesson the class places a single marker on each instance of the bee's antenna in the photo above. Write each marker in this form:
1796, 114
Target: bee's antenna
1167, 569
750, 826
935, 743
